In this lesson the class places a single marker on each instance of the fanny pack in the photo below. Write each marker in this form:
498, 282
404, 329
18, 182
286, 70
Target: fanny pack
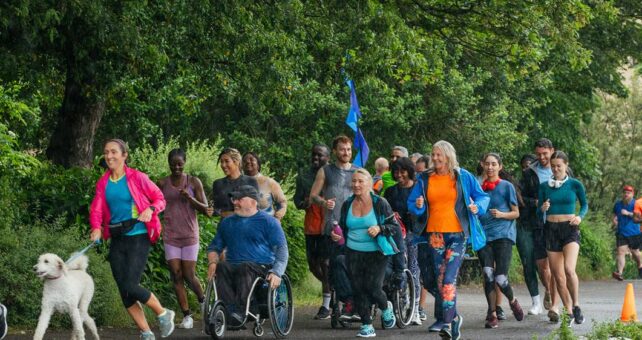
122, 228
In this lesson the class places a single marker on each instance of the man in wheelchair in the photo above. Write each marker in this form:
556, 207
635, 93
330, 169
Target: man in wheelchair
255, 246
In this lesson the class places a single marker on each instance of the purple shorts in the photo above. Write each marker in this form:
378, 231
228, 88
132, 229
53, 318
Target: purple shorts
189, 253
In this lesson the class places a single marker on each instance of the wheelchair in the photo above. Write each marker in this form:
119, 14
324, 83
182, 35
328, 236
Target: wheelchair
262, 303
403, 301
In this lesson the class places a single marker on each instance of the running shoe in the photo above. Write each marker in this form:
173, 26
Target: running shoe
3, 321
388, 317
500, 313
617, 276
553, 316
423, 316
456, 327
569, 320
491, 321
166, 323
347, 311
548, 301
323, 314
446, 332
518, 312
148, 335
187, 323
536, 308
577, 314
416, 321
367, 331
436, 326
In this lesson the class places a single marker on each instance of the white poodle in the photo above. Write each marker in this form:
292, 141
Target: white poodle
67, 289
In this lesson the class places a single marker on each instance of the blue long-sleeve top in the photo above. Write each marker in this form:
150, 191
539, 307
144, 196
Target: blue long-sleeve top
258, 238
467, 188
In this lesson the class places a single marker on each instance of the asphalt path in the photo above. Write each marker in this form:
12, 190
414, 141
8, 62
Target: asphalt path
600, 300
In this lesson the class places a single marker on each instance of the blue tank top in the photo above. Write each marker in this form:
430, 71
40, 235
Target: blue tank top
121, 205
358, 238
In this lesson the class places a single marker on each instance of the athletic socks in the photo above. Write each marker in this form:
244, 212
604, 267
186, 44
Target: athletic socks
326, 300
187, 312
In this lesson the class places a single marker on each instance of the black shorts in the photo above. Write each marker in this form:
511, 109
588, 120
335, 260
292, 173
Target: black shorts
632, 241
317, 246
559, 234
539, 244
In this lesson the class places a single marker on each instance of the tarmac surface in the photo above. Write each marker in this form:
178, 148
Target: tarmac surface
601, 301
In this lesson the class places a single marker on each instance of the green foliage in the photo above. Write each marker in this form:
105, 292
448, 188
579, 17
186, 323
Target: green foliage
292, 224
619, 155
52, 192
14, 115
616, 330
596, 250
202, 159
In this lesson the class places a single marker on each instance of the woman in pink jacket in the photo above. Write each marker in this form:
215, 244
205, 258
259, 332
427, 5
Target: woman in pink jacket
126, 208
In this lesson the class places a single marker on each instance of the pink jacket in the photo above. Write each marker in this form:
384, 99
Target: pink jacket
145, 194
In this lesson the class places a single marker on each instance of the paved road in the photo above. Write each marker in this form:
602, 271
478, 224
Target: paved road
601, 301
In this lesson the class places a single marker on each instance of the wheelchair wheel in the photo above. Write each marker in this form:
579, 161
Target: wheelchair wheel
217, 321
281, 308
208, 305
404, 301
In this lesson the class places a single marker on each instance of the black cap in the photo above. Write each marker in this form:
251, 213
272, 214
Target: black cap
245, 191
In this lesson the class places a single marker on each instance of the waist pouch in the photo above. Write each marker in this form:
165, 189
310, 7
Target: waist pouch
121, 228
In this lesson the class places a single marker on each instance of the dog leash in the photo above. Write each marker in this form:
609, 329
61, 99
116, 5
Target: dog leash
83, 251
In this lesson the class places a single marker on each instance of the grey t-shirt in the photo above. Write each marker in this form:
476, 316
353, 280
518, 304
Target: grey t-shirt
337, 185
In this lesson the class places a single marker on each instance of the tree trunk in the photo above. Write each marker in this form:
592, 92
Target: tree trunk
72, 141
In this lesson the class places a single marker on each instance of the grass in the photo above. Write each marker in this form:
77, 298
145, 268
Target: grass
307, 292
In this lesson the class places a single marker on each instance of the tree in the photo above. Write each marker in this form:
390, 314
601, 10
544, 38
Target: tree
83, 48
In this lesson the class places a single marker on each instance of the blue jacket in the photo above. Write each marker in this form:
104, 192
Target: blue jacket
466, 183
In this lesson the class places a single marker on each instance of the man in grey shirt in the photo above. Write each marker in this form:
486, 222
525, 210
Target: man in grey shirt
331, 187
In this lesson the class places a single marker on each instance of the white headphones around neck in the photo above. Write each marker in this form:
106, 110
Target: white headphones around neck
553, 183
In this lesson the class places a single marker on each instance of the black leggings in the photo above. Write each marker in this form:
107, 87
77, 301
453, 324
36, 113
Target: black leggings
495, 260
128, 258
367, 271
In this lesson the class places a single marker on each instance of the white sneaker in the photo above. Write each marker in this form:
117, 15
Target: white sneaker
416, 321
535, 309
187, 323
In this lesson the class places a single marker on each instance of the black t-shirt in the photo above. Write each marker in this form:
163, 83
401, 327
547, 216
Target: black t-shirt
223, 186
397, 197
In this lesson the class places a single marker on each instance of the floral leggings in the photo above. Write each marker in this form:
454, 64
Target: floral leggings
447, 253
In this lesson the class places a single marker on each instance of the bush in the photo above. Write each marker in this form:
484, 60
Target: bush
595, 260
616, 330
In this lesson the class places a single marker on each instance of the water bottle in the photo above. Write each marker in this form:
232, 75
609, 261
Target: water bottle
337, 230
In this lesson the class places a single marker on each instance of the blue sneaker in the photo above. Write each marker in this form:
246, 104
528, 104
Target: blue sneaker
147, 335
367, 331
456, 327
436, 326
446, 332
166, 323
388, 317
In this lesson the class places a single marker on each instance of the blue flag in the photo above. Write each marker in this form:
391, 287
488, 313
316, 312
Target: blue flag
352, 121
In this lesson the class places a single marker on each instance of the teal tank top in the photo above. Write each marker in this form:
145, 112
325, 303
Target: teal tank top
358, 238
